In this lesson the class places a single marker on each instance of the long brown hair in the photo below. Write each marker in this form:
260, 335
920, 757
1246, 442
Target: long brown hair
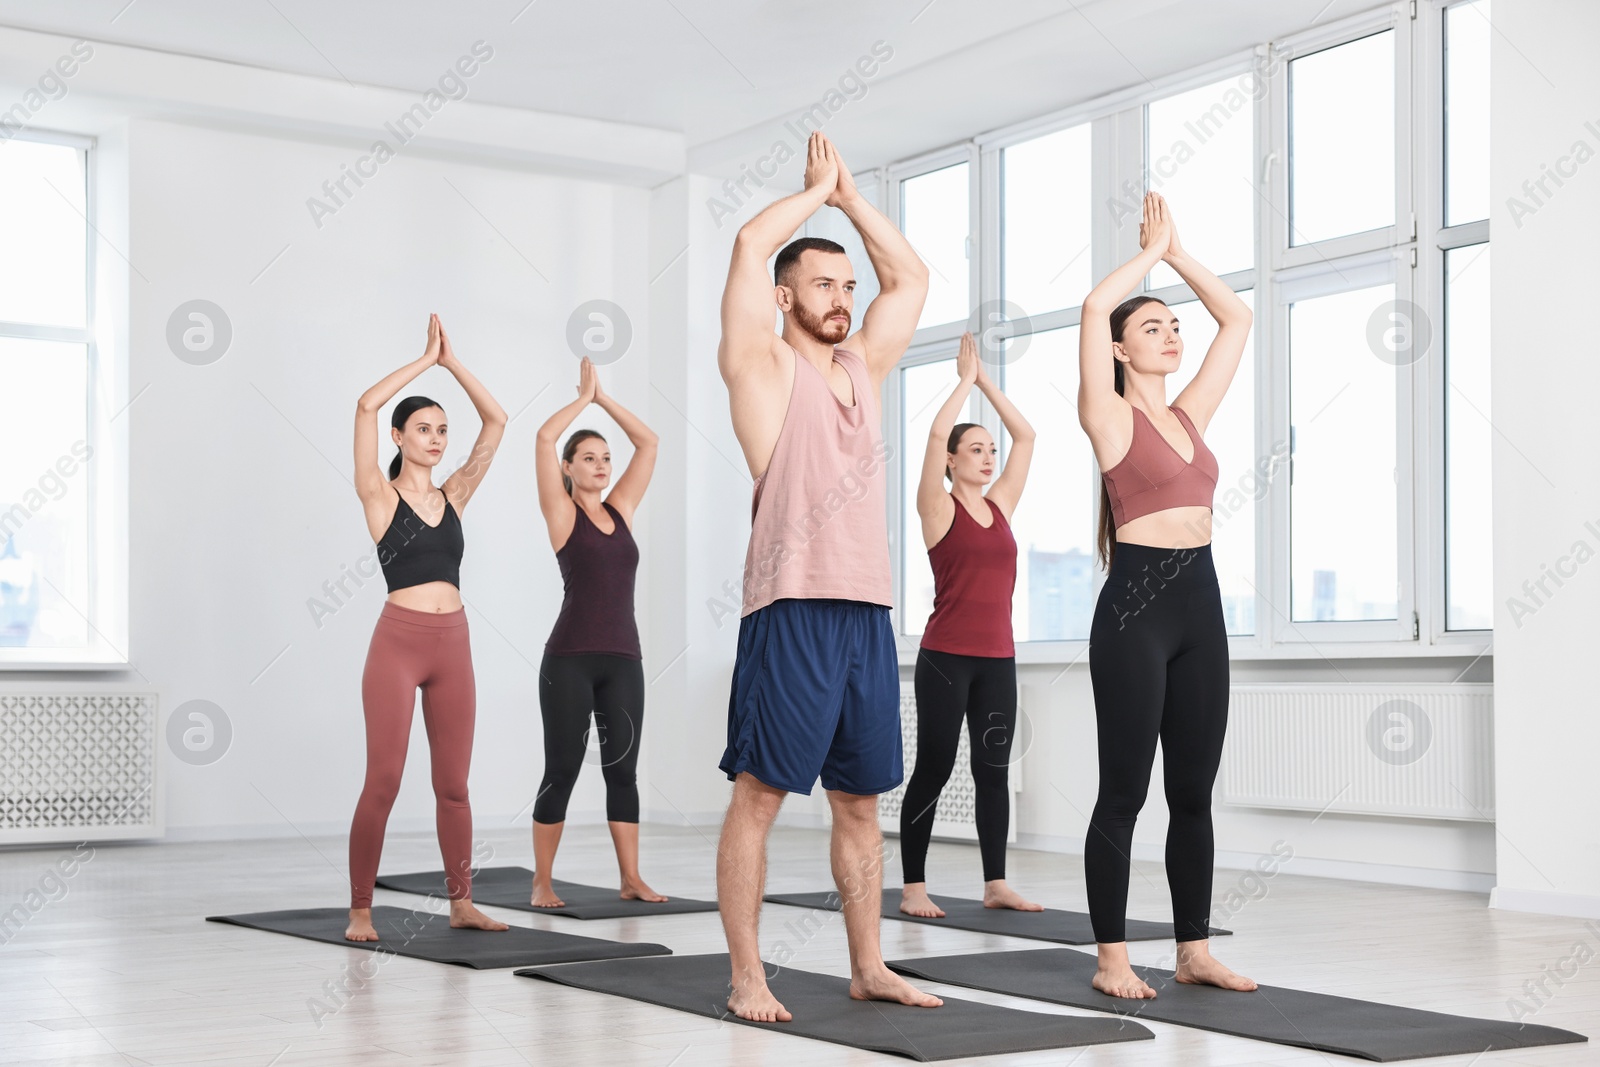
955, 443
578, 438
1106, 540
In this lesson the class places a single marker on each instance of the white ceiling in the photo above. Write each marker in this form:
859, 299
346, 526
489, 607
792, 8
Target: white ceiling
725, 73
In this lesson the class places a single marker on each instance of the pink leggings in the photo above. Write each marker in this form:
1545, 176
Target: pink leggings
410, 649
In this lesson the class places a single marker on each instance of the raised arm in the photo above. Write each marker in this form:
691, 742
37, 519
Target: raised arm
459, 487
748, 306
1100, 409
1203, 395
1007, 489
555, 503
934, 505
890, 320
627, 490
372, 486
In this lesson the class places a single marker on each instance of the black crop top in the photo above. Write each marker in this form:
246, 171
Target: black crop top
412, 552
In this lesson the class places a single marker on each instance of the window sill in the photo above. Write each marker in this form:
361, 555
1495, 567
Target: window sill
1067, 653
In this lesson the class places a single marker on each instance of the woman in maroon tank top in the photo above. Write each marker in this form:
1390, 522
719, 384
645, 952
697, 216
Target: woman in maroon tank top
591, 662
966, 668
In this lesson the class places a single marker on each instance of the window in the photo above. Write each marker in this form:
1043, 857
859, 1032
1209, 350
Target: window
1345, 200
1469, 601
1198, 148
1466, 112
1054, 523
1341, 139
45, 512
1047, 211
934, 212
1342, 428
923, 389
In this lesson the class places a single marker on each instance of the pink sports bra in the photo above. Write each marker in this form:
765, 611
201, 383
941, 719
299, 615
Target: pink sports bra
1153, 476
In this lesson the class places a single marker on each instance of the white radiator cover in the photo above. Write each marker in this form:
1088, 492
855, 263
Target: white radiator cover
955, 817
77, 764
1408, 751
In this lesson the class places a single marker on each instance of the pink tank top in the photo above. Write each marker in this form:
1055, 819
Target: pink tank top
818, 522
1153, 476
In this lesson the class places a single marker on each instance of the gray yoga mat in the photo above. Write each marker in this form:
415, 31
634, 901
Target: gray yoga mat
510, 887
1051, 924
823, 1010
1381, 1032
424, 936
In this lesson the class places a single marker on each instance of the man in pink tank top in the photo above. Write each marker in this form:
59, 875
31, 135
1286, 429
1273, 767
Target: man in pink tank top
816, 679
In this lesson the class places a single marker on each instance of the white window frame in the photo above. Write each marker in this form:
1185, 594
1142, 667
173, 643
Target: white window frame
104, 475
1435, 239
1410, 252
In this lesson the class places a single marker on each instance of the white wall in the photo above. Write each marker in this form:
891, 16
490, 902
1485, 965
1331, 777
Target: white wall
1545, 113
241, 502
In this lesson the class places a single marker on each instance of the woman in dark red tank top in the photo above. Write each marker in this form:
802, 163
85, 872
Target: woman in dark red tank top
1158, 645
966, 668
591, 661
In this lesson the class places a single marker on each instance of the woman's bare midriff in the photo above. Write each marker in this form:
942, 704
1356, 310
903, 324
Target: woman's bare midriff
436, 597
1185, 527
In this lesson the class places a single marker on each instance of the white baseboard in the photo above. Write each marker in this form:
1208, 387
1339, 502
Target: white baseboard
1542, 902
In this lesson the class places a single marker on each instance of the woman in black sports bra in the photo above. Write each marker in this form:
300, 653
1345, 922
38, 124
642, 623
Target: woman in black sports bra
421, 636
591, 661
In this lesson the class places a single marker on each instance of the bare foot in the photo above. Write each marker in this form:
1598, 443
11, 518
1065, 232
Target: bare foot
914, 900
635, 889
545, 897
883, 984
360, 928
754, 1001
997, 894
1118, 980
464, 915
1198, 967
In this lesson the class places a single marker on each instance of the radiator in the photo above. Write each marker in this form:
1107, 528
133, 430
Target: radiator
1414, 750
77, 764
955, 816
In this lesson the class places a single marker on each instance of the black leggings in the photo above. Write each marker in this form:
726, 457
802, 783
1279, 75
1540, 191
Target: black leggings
570, 687
1158, 659
983, 691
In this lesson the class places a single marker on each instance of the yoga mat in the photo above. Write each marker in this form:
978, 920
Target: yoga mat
1051, 924
1380, 1032
823, 1010
423, 936
510, 887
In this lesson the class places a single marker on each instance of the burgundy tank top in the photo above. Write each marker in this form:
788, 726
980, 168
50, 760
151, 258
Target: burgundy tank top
1153, 476
597, 573
974, 575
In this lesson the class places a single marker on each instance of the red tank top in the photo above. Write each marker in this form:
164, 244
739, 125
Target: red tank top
974, 575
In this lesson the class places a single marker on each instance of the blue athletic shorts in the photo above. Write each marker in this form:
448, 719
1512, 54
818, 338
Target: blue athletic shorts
816, 692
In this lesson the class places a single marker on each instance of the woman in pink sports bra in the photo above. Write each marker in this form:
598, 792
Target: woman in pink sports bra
1158, 646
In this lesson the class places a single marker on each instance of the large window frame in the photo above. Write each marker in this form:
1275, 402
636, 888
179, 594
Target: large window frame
1410, 253
103, 476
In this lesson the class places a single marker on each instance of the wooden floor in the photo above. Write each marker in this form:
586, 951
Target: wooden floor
121, 969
